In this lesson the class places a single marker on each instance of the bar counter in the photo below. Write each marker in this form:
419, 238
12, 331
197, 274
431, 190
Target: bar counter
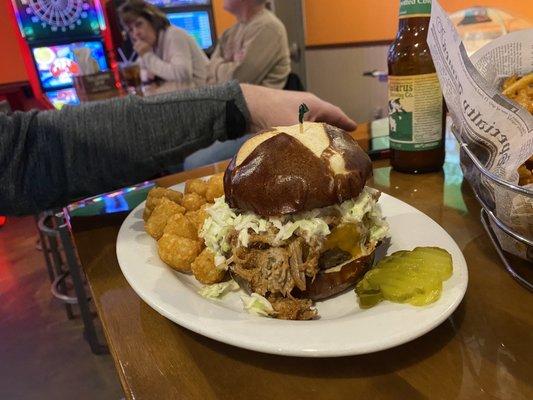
483, 350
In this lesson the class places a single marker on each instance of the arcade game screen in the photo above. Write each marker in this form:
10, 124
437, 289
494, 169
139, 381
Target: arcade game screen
57, 64
41, 20
63, 97
179, 3
196, 23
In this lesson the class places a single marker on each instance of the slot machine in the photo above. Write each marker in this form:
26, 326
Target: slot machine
55, 33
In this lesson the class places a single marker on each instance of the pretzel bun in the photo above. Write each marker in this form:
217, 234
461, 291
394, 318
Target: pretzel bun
296, 168
327, 284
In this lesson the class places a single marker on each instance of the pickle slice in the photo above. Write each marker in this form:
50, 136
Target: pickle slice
370, 299
413, 277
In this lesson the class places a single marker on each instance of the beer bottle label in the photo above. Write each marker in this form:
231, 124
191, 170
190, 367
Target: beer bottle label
415, 112
415, 8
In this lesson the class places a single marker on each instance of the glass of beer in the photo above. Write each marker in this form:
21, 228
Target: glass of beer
131, 76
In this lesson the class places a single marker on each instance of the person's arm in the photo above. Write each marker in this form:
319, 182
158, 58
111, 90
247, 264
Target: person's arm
214, 61
217, 57
261, 51
179, 68
50, 158
273, 107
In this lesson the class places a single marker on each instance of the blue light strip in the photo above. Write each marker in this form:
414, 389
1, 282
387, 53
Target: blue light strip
100, 14
17, 16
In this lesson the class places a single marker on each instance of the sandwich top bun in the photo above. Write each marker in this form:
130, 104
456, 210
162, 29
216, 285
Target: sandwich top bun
289, 169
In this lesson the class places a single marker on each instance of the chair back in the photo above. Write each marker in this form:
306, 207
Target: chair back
294, 83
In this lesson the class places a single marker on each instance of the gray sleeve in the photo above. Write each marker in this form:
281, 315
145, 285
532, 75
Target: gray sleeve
50, 158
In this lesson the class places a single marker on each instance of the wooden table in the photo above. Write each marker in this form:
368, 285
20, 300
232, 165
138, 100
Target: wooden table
484, 350
147, 90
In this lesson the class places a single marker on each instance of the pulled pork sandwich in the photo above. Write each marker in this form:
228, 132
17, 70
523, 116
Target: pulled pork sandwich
297, 222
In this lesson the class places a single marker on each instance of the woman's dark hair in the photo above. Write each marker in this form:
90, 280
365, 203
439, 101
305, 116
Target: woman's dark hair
133, 9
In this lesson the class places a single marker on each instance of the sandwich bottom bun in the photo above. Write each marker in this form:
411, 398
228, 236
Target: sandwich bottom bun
327, 284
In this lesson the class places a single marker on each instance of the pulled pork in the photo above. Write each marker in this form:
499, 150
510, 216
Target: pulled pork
270, 269
274, 269
294, 309
279, 270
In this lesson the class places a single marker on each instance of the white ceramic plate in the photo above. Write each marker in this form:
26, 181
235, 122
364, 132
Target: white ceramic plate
343, 328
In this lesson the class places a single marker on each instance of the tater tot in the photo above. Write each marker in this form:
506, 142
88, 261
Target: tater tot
160, 216
154, 197
198, 217
180, 225
178, 252
198, 186
215, 187
192, 201
204, 270
156, 194
147, 213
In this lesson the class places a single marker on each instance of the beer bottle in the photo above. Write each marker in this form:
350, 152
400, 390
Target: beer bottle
416, 106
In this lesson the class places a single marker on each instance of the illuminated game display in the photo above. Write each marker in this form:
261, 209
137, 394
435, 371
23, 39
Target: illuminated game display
58, 32
179, 3
57, 64
193, 16
63, 97
196, 23
41, 20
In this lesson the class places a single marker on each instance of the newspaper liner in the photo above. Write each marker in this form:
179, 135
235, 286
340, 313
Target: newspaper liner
498, 130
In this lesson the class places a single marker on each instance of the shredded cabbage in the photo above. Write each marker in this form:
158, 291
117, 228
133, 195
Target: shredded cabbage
218, 289
312, 227
217, 226
379, 228
354, 210
257, 304
378, 232
220, 261
222, 219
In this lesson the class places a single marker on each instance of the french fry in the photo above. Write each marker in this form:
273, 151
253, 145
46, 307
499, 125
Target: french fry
519, 84
521, 91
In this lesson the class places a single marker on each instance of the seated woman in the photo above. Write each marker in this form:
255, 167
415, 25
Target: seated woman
165, 51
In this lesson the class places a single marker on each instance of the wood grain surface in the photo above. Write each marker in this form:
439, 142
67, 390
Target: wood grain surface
484, 350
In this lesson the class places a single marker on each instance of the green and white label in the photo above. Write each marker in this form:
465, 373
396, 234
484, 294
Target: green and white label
411, 8
415, 112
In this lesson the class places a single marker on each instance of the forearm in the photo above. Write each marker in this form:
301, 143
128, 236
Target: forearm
178, 71
250, 71
223, 70
260, 54
50, 158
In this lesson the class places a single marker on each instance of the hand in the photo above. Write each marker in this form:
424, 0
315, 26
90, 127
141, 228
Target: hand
239, 55
141, 47
272, 107
147, 75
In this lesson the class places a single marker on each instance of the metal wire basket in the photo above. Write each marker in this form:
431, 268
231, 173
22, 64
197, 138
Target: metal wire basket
489, 219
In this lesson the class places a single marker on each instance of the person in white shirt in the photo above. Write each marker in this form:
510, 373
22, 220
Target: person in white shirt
165, 51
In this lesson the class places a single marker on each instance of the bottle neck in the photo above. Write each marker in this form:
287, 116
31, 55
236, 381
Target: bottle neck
413, 21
